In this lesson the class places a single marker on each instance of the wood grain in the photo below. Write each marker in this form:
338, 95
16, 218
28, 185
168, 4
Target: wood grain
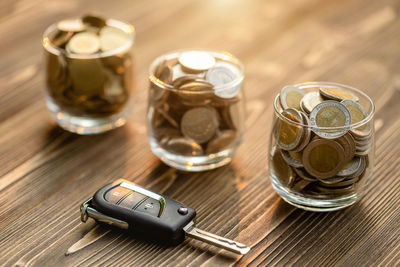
46, 172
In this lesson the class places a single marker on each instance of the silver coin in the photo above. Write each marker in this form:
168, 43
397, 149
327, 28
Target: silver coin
222, 74
196, 61
330, 114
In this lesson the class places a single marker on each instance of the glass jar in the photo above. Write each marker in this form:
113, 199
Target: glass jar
89, 73
321, 145
195, 114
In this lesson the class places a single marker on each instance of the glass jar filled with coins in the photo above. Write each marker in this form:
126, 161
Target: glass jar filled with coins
195, 114
89, 73
322, 145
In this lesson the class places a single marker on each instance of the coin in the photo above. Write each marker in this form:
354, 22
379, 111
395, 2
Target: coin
330, 114
331, 180
71, 25
288, 135
306, 133
196, 93
292, 158
85, 43
337, 190
361, 168
221, 75
323, 158
112, 38
199, 124
280, 169
87, 76
336, 93
358, 114
178, 82
309, 101
196, 61
304, 175
348, 144
94, 21
167, 116
164, 72
300, 185
221, 141
345, 182
231, 116
290, 97
350, 167
184, 146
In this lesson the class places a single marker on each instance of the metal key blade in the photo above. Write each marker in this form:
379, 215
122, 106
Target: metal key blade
215, 240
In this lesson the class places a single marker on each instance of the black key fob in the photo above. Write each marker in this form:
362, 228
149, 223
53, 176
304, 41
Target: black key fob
143, 213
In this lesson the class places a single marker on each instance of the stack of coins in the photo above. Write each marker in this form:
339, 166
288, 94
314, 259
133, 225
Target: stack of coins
86, 77
321, 144
194, 104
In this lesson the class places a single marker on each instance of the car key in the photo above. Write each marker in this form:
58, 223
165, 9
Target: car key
149, 216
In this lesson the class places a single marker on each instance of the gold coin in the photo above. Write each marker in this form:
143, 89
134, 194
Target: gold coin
292, 158
338, 94
306, 133
358, 114
288, 135
350, 167
323, 158
280, 169
305, 175
178, 82
196, 93
196, 61
348, 144
290, 97
71, 25
183, 146
221, 141
112, 38
331, 180
164, 72
167, 116
199, 124
85, 43
337, 191
94, 21
310, 100
330, 114
87, 76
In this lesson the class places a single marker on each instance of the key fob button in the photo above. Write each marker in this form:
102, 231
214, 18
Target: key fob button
150, 206
132, 200
116, 194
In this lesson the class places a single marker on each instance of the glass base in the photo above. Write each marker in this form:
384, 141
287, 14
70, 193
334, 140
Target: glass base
193, 164
313, 204
86, 125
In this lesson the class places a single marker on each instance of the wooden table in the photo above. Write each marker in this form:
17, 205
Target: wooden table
46, 173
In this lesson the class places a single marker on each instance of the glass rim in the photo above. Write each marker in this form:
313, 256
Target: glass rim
366, 120
218, 54
124, 26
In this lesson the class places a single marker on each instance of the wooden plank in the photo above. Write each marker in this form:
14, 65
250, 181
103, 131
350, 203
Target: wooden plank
46, 172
